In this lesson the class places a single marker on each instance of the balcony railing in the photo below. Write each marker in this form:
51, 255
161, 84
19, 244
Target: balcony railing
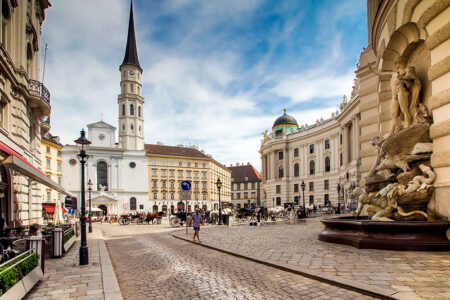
37, 88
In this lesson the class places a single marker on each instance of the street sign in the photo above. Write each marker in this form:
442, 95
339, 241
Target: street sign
71, 211
186, 185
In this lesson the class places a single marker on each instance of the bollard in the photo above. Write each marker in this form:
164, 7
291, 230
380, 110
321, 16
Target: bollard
57, 242
37, 243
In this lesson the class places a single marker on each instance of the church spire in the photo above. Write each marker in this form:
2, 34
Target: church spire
131, 56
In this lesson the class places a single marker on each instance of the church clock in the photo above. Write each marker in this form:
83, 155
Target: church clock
131, 73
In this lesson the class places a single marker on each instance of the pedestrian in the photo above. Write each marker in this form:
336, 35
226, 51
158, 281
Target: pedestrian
196, 220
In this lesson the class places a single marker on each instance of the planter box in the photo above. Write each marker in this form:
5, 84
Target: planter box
69, 243
21, 288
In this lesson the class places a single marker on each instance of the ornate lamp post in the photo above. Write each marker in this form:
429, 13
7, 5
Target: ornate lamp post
82, 157
90, 184
219, 186
338, 211
303, 185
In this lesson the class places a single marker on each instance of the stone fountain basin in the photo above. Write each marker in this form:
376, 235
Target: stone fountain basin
362, 233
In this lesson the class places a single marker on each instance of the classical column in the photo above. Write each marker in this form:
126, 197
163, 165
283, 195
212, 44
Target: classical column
274, 168
346, 143
356, 131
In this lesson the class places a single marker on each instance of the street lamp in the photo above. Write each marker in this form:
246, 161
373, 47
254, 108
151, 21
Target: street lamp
82, 157
90, 184
338, 211
303, 185
219, 186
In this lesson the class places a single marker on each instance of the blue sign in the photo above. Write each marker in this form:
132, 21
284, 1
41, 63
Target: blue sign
186, 185
71, 211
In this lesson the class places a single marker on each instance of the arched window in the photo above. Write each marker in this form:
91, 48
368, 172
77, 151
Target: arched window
123, 109
312, 168
327, 164
139, 111
280, 172
132, 127
296, 170
131, 109
102, 176
132, 203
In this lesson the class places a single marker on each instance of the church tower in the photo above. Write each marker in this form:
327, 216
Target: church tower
131, 103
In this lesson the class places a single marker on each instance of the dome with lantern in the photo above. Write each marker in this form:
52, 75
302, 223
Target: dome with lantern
286, 122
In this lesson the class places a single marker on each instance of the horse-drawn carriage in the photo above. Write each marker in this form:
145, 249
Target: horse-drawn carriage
138, 218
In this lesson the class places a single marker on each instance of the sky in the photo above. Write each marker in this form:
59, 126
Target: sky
216, 73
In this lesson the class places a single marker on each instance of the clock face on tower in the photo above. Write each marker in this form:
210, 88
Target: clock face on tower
131, 73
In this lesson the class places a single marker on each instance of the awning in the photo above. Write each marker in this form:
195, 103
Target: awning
18, 163
94, 209
49, 207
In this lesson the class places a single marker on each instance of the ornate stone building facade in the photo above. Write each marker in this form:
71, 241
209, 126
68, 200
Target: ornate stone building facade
24, 112
322, 155
416, 32
51, 165
168, 166
246, 186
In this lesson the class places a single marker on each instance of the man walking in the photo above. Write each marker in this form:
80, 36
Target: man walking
196, 219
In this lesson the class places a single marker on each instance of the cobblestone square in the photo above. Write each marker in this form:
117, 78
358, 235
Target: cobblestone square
411, 274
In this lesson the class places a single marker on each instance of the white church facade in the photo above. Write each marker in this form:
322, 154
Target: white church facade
117, 171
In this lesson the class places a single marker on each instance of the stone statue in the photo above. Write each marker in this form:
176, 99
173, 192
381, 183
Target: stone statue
405, 88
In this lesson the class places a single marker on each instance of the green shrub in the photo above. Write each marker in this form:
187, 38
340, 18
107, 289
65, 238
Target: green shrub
29, 264
68, 235
8, 278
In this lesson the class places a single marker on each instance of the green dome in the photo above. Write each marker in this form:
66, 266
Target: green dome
285, 121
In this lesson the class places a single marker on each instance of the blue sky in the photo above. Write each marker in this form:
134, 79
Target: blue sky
216, 73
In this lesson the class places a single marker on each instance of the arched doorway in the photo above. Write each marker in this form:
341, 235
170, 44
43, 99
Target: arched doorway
164, 209
104, 208
155, 208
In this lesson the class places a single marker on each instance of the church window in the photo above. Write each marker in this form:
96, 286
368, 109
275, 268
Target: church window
102, 175
139, 111
131, 88
132, 203
123, 126
132, 127
139, 128
131, 109
327, 164
123, 109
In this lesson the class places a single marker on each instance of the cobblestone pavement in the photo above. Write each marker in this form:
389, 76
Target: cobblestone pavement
158, 266
65, 279
413, 274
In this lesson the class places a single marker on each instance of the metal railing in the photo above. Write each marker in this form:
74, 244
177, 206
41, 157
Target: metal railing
37, 88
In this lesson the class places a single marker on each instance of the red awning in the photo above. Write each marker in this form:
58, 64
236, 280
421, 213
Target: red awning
64, 209
49, 207
18, 163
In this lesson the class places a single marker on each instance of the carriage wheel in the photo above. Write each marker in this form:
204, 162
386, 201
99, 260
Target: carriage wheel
174, 222
139, 221
126, 221
121, 221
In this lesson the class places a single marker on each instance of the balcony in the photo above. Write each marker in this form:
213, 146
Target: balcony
39, 96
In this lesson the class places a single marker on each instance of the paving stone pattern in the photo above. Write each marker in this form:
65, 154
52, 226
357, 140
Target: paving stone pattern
414, 274
158, 266
65, 279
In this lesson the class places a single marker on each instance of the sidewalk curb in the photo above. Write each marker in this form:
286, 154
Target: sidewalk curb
111, 288
362, 288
